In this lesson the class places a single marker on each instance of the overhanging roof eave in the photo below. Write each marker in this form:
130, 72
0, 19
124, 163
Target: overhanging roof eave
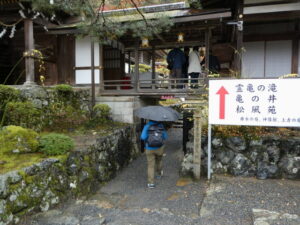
209, 15
201, 17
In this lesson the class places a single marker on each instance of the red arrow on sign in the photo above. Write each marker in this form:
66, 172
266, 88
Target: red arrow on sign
222, 92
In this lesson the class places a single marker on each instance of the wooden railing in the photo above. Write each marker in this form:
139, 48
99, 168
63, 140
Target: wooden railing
159, 86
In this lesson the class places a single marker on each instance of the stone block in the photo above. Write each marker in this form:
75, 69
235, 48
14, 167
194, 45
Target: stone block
266, 217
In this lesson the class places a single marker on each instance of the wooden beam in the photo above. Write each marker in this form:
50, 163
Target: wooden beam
295, 55
160, 38
295, 50
271, 17
170, 45
93, 71
207, 46
272, 8
202, 17
29, 46
101, 67
239, 38
153, 64
86, 68
270, 37
64, 31
136, 66
266, 2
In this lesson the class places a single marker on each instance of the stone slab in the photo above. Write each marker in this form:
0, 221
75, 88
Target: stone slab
266, 217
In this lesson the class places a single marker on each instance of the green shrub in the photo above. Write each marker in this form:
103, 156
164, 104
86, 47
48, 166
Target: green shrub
8, 94
64, 88
101, 113
248, 132
55, 144
23, 114
65, 117
66, 95
18, 139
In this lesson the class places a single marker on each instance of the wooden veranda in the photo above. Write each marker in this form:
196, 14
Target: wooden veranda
154, 87
198, 27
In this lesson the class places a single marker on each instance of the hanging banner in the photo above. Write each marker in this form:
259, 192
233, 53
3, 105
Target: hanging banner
255, 102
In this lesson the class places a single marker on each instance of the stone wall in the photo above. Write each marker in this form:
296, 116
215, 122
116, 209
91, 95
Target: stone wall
44, 96
43, 185
263, 157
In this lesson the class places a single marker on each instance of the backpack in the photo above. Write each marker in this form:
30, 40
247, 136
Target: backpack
155, 136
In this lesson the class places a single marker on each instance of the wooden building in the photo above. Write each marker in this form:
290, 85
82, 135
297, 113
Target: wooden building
251, 38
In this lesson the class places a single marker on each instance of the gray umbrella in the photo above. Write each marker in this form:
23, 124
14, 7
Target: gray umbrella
157, 113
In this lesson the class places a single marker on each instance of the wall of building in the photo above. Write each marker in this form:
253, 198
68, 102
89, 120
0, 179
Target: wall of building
267, 59
269, 50
122, 107
83, 59
299, 58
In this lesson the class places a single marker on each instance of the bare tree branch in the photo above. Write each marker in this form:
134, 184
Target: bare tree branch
102, 14
140, 12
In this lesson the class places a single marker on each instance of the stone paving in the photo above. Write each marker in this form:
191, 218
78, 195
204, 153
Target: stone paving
178, 201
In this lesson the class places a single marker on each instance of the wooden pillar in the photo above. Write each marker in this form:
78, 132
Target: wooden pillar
207, 47
93, 72
295, 49
239, 38
136, 66
153, 65
101, 67
197, 144
143, 123
129, 63
295, 55
29, 46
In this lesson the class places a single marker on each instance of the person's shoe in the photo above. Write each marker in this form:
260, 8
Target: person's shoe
151, 185
159, 176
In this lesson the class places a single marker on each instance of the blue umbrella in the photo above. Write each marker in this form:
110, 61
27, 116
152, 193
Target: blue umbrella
157, 113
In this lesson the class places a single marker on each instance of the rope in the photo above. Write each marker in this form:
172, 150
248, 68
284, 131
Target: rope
11, 25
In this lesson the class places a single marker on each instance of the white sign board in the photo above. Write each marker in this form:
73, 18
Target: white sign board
255, 102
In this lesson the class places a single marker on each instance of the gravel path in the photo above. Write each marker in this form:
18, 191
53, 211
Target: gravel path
230, 200
175, 201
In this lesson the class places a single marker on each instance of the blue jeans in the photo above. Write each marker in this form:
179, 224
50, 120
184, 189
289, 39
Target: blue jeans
194, 75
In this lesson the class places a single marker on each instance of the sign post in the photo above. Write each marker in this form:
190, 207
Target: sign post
253, 102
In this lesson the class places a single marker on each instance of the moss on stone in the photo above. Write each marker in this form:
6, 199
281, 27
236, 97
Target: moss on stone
18, 139
14, 187
19, 161
8, 93
76, 174
24, 114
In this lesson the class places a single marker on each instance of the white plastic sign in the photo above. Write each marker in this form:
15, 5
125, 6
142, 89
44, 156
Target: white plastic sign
255, 102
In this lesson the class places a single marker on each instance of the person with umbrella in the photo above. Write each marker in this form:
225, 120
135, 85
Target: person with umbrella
154, 135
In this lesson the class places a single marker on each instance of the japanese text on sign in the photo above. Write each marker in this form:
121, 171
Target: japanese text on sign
257, 102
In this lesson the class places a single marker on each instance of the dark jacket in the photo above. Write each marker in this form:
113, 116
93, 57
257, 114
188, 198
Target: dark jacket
177, 58
214, 64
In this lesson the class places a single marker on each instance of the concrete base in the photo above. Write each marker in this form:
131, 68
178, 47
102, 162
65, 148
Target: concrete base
122, 107
30, 83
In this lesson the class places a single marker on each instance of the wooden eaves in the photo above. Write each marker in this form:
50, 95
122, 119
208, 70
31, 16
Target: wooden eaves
184, 20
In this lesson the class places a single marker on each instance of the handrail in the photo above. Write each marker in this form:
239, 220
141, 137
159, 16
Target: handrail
153, 85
